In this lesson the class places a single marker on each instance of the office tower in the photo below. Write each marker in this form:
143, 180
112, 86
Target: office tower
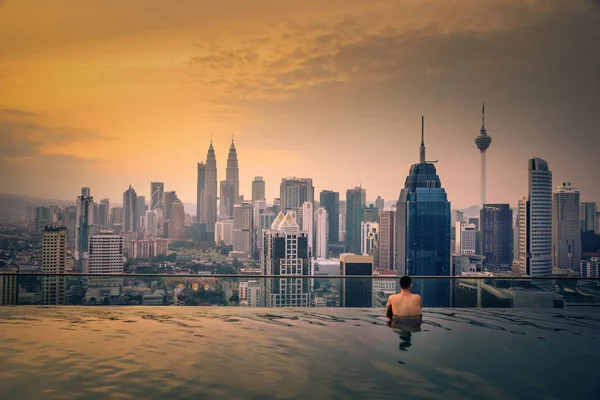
330, 201
43, 217
157, 190
423, 231
209, 202
200, 191
342, 229
483, 142
232, 174
104, 214
459, 216
8, 286
466, 238
321, 233
243, 223
586, 215
140, 210
369, 237
70, 221
285, 253
226, 200
130, 210
168, 199
379, 204
258, 188
566, 233
276, 205
116, 218
96, 218
294, 192
176, 224
369, 214
497, 235
535, 215
356, 292
307, 217
54, 256
259, 208
387, 244
151, 223
83, 228
266, 220
355, 201
224, 232
106, 254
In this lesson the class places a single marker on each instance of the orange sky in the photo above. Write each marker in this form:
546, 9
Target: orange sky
103, 93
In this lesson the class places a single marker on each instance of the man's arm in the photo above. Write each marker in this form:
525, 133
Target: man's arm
388, 308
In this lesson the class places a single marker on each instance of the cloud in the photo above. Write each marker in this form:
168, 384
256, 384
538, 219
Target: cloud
25, 139
15, 112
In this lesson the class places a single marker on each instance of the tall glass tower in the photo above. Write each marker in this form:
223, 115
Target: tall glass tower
423, 231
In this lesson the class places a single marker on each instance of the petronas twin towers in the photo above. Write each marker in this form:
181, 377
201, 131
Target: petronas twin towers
207, 195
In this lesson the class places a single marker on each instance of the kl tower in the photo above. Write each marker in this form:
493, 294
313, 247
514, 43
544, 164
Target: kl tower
483, 142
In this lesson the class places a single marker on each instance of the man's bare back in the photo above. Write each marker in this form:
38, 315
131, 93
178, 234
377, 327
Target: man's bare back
405, 304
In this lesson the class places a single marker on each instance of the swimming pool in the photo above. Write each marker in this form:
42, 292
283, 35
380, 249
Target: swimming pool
210, 352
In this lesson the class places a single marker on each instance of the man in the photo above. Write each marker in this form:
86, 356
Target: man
405, 304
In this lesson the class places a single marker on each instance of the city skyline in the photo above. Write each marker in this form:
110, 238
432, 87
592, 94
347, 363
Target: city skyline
115, 93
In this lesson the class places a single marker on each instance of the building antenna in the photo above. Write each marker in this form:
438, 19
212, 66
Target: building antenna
422, 139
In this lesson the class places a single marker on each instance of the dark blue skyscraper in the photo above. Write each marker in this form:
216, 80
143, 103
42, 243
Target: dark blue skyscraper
423, 231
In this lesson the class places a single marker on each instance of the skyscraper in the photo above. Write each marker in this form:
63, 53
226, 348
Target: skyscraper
157, 190
356, 292
140, 210
258, 188
200, 191
226, 199
116, 218
54, 256
130, 210
379, 203
209, 202
423, 231
176, 224
331, 202
483, 142
387, 244
71, 224
104, 213
321, 233
294, 192
535, 214
355, 201
566, 233
285, 253
151, 222
586, 215
232, 174
497, 235
307, 216
168, 199
83, 228
243, 221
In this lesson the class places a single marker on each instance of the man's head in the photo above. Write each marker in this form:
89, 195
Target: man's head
405, 283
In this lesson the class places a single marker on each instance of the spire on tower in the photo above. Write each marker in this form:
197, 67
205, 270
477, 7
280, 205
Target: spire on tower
422, 139
483, 115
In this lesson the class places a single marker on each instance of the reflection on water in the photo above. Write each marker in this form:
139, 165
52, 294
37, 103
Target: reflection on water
166, 352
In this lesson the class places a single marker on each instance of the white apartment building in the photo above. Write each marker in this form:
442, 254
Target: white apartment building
224, 232
321, 233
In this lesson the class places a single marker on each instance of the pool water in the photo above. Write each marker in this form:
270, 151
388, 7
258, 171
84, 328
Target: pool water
249, 353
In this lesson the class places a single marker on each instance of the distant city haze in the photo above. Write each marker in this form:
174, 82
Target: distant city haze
106, 94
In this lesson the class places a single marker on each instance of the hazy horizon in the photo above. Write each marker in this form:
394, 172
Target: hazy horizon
106, 94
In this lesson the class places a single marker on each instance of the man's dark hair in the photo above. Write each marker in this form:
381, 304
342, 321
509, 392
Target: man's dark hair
405, 282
